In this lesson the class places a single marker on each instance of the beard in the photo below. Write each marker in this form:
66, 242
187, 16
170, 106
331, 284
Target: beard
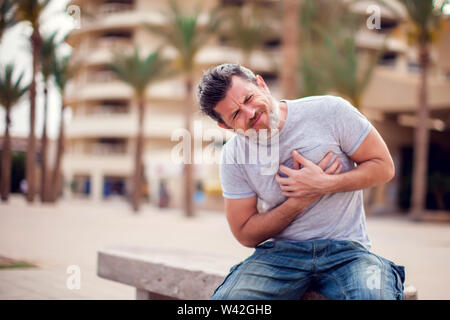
264, 135
274, 115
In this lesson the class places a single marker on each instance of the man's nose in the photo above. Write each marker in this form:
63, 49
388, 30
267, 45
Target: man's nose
249, 111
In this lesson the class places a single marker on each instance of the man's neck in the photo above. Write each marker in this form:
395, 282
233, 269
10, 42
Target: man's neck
283, 114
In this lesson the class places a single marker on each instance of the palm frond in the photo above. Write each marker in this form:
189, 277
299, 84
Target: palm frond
139, 72
246, 28
48, 55
11, 90
183, 32
425, 16
8, 15
63, 71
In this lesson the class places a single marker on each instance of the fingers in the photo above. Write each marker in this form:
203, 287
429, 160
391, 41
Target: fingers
283, 181
296, 165
287, 171
286, 188
302, 160
326, 160
333, 167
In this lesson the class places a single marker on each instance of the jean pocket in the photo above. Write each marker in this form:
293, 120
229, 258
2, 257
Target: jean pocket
356, 245
399, 276
266, 245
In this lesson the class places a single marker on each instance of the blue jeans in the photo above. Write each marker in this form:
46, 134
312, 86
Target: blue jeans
337, 269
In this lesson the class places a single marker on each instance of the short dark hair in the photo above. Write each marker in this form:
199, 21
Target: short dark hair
214, 86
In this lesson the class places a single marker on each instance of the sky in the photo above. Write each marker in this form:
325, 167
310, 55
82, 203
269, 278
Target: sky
15, 48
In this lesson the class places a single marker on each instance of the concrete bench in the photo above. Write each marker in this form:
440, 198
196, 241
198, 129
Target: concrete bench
171, 274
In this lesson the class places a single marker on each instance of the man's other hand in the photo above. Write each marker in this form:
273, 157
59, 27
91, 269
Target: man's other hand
310, 180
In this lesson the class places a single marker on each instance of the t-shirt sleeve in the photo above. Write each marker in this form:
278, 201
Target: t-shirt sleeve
349, 126
232, 178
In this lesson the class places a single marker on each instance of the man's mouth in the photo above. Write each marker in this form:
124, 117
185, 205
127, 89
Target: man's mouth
258, 118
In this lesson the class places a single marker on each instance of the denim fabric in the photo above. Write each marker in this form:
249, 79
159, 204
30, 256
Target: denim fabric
337, 269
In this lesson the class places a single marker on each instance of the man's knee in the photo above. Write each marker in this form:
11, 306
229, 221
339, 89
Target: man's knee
258, 280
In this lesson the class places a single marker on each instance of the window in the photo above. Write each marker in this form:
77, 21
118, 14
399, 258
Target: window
387, 25
389, 59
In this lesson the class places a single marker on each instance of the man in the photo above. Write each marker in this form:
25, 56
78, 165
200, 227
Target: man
311, 231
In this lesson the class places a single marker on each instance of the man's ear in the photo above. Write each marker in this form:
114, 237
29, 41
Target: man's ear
260, 81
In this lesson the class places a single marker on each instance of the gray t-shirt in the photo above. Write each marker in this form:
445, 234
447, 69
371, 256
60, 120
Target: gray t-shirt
314, 126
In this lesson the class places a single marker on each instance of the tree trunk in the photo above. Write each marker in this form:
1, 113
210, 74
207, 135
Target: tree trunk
6, 159
44, 172
137, 180
290, 45
31, 147
56, 174
421, 142
188, 167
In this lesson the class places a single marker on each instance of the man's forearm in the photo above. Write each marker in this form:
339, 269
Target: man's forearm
365, 175
262, 226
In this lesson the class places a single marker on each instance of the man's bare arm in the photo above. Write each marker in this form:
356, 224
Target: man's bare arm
251, 228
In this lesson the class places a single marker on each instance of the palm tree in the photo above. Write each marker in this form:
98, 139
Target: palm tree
246, 28
7, 16
184, 33
348, 75
139, 73
47, 58
330, 60
30, 11
425, 19
62, 72
10, 93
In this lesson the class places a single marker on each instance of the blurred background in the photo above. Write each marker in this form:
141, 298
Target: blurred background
91, 93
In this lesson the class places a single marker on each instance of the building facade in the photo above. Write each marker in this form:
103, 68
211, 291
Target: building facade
101, 135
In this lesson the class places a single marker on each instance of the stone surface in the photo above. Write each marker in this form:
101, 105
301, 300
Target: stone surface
71, 233
177, 274
161, 274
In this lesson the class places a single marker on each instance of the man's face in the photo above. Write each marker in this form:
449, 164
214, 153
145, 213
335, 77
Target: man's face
249, 106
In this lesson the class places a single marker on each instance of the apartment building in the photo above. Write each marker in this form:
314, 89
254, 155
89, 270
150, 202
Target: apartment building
101, 136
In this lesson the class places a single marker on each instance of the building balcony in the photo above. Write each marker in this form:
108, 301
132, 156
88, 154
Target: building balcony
102, 125
86, 91
372, 40
113, 20
103, 149
391, 91
117, 125
110, 8
156, 126
260, 60
106, 86
101, 51
115, 163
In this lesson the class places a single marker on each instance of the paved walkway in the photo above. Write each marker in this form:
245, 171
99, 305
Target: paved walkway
70, 233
